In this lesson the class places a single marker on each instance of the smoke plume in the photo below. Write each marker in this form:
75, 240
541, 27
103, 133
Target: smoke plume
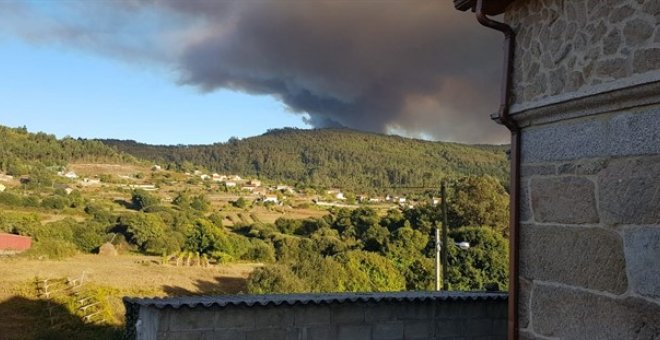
417, 67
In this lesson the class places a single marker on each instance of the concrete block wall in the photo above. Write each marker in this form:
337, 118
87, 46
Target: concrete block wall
587, 96
377, 319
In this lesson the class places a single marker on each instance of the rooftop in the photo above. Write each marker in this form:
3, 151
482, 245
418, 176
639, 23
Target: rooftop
304, 299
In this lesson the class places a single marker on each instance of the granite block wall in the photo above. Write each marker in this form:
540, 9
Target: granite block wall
587, 97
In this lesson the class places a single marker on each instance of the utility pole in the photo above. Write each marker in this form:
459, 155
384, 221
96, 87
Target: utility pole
445, 279
438, 248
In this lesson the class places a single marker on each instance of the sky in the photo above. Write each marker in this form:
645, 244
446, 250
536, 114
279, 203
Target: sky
201, 71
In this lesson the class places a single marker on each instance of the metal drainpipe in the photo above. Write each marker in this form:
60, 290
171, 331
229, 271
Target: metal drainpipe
504, 119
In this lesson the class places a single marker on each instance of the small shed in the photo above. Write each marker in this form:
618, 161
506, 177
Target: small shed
14, 243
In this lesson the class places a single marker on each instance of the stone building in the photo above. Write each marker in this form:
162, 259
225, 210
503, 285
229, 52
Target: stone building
583, 104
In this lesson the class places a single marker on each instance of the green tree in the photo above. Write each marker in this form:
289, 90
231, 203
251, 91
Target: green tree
142, 199
485, 263
275, 279
146, 231
370, 272
203, 238
479, 201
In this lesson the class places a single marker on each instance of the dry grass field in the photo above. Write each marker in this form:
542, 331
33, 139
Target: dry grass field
25, 316
90, 170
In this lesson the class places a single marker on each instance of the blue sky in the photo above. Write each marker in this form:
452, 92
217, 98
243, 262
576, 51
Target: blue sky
65, 91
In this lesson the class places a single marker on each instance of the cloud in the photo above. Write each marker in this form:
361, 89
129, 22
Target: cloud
415, 67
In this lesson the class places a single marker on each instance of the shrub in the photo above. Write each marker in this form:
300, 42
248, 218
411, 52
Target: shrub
274, 279
141, 199
52, 249
260, 251
55, 202
10, 199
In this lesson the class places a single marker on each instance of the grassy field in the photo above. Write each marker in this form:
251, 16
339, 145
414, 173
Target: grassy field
25, 316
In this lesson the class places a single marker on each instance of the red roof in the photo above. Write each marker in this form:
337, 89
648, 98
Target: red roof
15, 242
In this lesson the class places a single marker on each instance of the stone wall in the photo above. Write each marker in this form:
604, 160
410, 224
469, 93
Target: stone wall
587, 97
582, 46
342, 316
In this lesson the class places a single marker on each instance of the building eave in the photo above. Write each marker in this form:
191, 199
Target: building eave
491, 7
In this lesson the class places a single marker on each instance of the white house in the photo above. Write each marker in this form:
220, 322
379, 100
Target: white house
230, 184
218, 178
249, 188
204, 177
90, 181
2, 188
270, 199
71, 175
340, 196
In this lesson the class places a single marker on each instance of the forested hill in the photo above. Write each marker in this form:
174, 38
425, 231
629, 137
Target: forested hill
23, 152
332, 157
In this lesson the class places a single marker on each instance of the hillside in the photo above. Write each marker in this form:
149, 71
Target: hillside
23, 152
332, 157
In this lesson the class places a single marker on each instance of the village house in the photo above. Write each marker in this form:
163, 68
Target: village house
70, 175
218, 178
272, 199
249, 188
230, 184
90, 181
2, 188
67, 189
234, 178
6, 178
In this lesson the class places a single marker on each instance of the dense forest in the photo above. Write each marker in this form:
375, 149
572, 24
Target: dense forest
332, 158
22, 152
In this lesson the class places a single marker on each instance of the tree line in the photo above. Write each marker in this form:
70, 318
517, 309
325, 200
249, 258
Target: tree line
359, 161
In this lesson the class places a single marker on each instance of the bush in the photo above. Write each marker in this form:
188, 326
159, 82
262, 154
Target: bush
260, 251
274, 279
241, 203
10, 199
141, 199
55, 202
52, 249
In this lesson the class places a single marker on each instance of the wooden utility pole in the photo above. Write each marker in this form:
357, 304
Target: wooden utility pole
445, 279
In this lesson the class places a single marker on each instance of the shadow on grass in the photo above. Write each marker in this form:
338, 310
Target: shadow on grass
23, 318
220, 285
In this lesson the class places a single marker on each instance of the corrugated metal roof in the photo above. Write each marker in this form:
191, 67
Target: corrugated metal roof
304, 299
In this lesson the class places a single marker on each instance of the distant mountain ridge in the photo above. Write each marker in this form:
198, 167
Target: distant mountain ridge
332, 158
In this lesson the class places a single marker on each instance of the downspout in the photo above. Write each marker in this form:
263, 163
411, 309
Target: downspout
505, 119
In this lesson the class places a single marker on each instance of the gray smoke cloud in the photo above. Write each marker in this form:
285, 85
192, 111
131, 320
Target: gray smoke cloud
417, 67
